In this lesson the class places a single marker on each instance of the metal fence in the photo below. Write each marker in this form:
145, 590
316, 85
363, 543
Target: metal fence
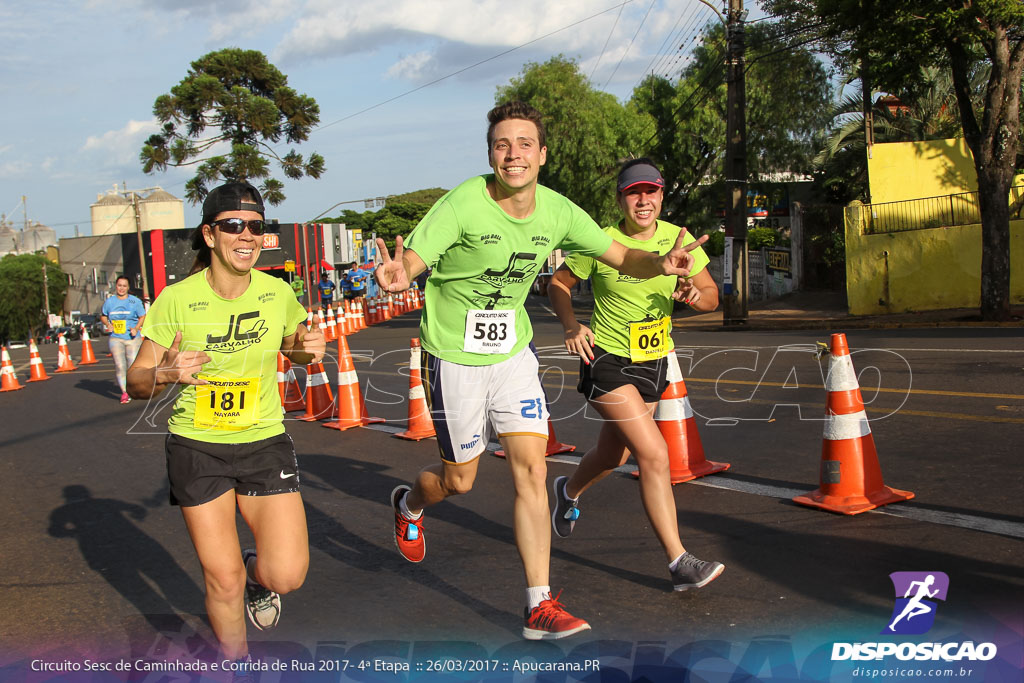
923, 214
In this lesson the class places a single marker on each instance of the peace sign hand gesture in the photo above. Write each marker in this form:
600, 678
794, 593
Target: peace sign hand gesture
679, 260
391, 274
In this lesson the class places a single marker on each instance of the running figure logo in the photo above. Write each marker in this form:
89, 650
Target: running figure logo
914, 611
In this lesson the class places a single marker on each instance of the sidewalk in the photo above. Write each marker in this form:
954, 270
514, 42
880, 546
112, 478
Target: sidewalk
806, 310
827, 310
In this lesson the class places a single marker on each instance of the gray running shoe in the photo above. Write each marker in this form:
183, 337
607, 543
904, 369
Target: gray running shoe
565, 514
261, 604
693, 573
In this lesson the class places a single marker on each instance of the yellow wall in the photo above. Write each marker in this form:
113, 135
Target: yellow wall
920, 270
913, 170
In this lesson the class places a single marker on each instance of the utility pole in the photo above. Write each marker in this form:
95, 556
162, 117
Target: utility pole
736, 268
134, 196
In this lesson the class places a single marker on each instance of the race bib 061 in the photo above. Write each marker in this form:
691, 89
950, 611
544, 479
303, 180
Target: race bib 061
649, 340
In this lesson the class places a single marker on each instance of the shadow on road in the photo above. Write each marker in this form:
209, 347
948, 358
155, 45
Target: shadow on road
126, 557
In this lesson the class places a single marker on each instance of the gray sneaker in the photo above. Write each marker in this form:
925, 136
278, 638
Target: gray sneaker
565, 514
693, 573
261, 604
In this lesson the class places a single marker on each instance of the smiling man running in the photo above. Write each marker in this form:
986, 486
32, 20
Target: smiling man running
486, 241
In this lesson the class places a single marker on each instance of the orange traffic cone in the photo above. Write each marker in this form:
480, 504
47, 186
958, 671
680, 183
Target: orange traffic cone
288, 386
420, 424
88, 357
331, 333
64, 363
554, 446
360, 315
371, 311
350, 410
389, 309
8, 380
678, 427
309, 319
319, 400
851, 480
36, 371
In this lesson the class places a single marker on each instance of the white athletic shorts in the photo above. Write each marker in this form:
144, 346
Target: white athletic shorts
467, 400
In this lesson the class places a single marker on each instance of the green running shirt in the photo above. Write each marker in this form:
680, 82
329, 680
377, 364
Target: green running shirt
620, 299
485, 260
243, 337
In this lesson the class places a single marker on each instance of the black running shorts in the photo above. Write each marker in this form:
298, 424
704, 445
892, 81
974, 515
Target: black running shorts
200, 471
608, 372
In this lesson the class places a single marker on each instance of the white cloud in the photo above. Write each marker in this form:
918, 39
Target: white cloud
121, 147
330, 28
413, 67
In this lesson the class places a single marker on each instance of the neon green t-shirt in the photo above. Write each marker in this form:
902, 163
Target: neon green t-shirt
484, 262
242, 337
620, 300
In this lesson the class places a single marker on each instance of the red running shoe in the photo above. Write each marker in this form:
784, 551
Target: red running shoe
549, 621
408, 533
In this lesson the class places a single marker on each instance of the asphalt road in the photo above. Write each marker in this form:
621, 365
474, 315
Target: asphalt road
96, 565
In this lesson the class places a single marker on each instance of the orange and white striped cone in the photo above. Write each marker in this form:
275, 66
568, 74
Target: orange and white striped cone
389, 311
309, 319
288, 387
350, 410
372, 311
88, 357
850, 477
553, 447
352, 317
64, 363
421, 426
319, 400
8, 380
36, 371
360, 316
331, 333
678, 426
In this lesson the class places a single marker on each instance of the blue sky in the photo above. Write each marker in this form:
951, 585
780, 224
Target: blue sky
80, 78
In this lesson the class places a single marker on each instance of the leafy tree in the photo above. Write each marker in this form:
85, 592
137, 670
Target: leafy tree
893, 39
21, 293
787, 95
588, 133
233, 97
399, 216
926, 110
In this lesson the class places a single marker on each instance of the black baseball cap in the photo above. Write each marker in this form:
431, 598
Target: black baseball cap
236, 195
638, 174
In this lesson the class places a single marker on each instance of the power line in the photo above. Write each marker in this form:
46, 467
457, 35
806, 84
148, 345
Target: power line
464, 69
606, 41
642, 21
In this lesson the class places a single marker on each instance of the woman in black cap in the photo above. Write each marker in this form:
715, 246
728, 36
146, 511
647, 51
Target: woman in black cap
217, 333
624, 363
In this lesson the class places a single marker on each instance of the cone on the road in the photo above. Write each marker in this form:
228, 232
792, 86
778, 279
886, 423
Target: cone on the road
8, 380
350, 410
331, 333
309, 319
288, 386
361, 313
372, 311
421, 426
36, 371
850, 477
553, 447
389, 308
677, 424
88, 357
64, 363
319, 400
